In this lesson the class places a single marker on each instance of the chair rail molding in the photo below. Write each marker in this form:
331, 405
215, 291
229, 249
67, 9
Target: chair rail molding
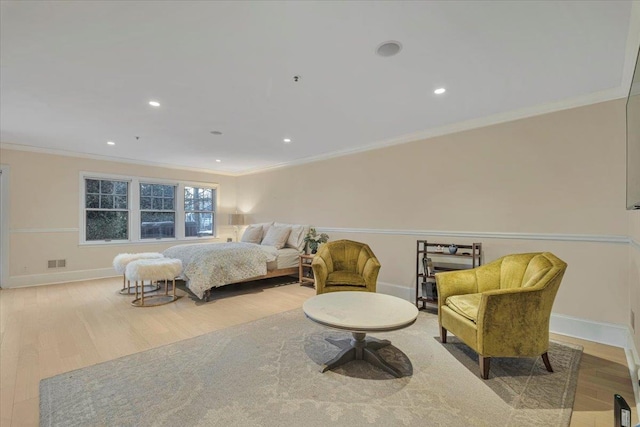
598, 238
45, 230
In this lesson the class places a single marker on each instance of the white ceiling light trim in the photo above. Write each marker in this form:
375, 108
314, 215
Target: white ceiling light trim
111, 143
439, 91
154, 103
389, 48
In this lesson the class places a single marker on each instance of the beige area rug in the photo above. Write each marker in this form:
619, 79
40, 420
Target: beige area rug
266, 373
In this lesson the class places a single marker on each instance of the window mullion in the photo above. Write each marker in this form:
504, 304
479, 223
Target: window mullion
180, 212
134, 206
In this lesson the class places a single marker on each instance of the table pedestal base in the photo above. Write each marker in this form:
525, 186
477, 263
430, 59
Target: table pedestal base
360, 348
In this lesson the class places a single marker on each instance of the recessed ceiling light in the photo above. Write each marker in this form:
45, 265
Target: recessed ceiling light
439, 91
154, 103
218, 160
287, 140
111, 143
389, 48
215, 132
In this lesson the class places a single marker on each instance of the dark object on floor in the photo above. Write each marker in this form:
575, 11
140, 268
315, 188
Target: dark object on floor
621, 412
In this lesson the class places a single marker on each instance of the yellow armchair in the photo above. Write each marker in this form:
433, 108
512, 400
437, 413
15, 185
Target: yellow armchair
501, 309
345, 265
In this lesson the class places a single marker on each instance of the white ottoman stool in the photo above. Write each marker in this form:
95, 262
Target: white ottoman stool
120, 263
166, 269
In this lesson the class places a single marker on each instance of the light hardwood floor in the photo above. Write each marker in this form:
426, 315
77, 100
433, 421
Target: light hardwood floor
47, 330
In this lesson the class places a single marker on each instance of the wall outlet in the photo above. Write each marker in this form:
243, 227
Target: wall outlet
61, 263
229, 239
51, 263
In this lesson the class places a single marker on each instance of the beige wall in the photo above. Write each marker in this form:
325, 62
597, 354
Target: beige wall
559, 173
44, 197
633, 147
559, 177
634, 271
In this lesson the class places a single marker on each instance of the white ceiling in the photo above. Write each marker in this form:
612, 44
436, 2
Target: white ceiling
75, 75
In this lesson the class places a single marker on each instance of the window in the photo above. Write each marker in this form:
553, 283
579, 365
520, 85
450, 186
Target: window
106, 210
157, 211
198, 208
131, 209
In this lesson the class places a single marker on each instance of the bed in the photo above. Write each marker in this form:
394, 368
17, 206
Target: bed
266, 250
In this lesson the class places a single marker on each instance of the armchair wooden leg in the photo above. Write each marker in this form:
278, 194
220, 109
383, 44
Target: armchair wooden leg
545, 359
443, 335
484, 366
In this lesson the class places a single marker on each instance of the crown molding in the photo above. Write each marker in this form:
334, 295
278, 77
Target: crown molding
566, 104
65, 153
581, 101
621, 91
631, 50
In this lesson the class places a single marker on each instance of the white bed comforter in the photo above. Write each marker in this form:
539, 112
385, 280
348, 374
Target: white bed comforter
210, 265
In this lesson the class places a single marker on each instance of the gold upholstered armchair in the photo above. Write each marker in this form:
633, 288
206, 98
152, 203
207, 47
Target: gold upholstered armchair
501, 309
345, 265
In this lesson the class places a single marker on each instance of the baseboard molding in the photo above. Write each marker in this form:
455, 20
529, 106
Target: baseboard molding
601, 332
396, 290
633, 360
58, 277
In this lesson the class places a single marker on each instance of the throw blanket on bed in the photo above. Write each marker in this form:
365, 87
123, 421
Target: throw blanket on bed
210, 265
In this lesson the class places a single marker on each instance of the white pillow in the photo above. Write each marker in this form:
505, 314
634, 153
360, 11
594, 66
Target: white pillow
265, 227
296, 238
253, 234
276, 236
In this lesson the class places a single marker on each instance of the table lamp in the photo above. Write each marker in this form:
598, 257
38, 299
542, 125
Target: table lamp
236, 219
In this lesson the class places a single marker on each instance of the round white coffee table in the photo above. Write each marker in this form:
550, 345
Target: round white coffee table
359, 313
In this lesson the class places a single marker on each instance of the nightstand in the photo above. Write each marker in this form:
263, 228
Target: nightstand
304, 262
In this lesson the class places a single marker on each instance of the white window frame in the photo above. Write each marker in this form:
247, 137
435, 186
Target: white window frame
213, 212
134, 209
175, 209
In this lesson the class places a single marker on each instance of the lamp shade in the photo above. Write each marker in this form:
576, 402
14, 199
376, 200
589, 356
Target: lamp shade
236, 219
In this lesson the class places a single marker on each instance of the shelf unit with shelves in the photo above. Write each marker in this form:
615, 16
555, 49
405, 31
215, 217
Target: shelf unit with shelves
305, 273
434, 257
